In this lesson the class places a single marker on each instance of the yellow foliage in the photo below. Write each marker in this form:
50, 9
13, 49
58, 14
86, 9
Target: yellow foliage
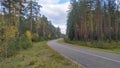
35, 34
35, 37
11, 32
28, 34
49, 35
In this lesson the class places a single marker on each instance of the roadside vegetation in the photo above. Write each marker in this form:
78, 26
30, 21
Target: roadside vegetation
38, 56
103, 46
21, 24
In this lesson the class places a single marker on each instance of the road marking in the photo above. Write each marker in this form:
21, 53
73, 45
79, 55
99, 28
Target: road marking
91, 54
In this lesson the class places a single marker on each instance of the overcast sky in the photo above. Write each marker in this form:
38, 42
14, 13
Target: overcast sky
55, 10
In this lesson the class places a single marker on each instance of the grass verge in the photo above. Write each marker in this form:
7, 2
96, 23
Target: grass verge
39, 56
80, 45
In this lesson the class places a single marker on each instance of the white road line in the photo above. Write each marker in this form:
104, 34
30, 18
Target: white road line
91, 54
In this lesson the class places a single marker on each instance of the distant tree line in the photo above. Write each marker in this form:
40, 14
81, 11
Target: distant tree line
90, 20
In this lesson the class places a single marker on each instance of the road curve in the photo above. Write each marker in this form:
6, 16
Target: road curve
88, 58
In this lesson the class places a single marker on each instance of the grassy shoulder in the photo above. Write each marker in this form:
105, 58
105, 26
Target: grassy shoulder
38, 56
82, 45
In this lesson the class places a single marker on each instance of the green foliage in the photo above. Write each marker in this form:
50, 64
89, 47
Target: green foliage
35, 37
44, 38
9, 47
11, 32
106, 45
25, 42
18, 28
96, 44
38, 56
13, 45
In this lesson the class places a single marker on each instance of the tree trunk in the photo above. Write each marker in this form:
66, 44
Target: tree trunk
9, 19
109, 22
91, 22
31, 16
20, 19
99, 21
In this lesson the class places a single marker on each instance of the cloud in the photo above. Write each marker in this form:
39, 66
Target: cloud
48, 1
56, 12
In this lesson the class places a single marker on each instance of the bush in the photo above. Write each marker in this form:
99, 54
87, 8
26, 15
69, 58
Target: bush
10, 47
13, 47
29, 35
10, 32
35, 37
44, 38
25, 42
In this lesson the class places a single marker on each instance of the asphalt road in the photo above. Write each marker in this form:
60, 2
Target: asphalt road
88, 58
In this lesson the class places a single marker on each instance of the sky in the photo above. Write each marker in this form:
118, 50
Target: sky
56, 11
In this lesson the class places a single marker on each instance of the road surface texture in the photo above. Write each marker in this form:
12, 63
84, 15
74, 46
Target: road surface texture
88, 58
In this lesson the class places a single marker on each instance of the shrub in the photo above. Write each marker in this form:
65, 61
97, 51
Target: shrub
29, 35
10, 32
13, 47
45, 38
9, 47
35, 37
25, 42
